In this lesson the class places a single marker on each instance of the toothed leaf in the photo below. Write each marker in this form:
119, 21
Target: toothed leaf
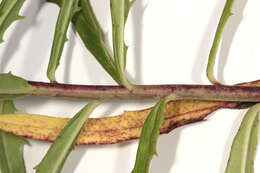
9, 12
148, 139
11, 158
92, 36
242, 155
128, 5
119, 12
67, 9
56, 156
213, 52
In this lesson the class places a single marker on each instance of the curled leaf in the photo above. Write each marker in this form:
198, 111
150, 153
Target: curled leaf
9, 12
243, 149
56, 156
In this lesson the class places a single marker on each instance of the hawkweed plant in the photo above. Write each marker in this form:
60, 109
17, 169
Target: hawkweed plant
104, 48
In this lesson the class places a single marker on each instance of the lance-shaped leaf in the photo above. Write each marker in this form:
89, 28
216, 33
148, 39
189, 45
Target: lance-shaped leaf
241, 159
213, 52
119, 9
148, 139
92, 36
60, 149
67, 9
9, 12
11, 158
13, 87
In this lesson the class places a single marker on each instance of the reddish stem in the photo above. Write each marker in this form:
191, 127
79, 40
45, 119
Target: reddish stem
196, 92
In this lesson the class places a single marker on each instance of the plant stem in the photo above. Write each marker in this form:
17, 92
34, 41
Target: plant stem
187, 92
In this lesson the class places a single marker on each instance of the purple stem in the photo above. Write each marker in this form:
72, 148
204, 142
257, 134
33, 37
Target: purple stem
191, 92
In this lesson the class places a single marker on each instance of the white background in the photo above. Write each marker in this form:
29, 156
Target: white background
169, 43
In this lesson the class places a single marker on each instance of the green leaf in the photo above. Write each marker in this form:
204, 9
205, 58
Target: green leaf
64, 144
148, 139
11, 158
243, 149
7, 107
119, 13
213, 52
13, 87
92, 36
67, 9
128, 6
91, 19
9, 12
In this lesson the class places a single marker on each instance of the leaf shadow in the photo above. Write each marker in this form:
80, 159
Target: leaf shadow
137, 11
74, 159
69, 53
203, 50
21, 28
167, 148
24, 104
228, 36
124, 156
